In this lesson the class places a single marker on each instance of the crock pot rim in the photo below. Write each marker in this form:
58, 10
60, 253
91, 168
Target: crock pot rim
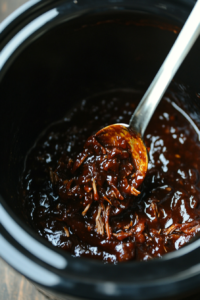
37, 7
23, 10
18, 220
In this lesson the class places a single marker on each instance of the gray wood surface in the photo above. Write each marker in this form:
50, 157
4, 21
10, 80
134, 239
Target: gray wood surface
8, 6
14, 286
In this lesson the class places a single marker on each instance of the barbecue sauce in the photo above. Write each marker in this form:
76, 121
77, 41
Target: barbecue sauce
74, 198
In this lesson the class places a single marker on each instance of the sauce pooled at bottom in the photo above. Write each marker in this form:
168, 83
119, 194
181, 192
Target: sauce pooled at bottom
82, 201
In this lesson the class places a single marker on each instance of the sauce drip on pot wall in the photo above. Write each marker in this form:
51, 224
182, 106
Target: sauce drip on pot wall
163, 218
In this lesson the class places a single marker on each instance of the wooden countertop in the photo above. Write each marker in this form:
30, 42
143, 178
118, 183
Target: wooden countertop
14, 286
8, 6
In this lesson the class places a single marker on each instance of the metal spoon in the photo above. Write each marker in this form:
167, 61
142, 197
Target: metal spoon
132, 134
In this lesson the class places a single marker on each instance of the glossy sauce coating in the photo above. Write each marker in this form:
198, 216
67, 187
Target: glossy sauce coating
164, 217
112, 164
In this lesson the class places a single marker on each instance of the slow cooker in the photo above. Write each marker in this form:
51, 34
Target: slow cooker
54, 53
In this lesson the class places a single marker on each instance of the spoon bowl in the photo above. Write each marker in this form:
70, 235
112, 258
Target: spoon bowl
123, 137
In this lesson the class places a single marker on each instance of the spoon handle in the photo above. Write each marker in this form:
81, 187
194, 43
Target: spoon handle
156, 90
